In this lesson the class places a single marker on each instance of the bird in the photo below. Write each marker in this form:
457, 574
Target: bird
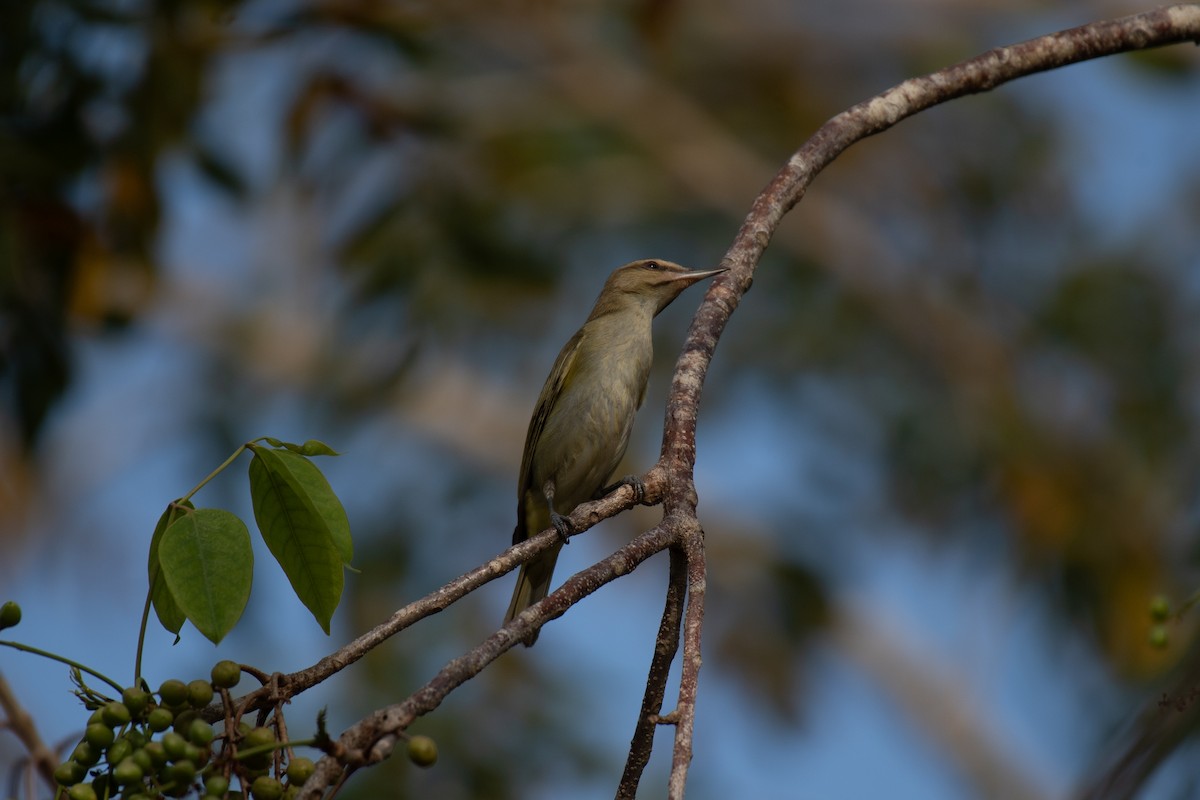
581, 422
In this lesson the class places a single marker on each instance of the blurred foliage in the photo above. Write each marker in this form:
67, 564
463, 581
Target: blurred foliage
93, 94
450, 164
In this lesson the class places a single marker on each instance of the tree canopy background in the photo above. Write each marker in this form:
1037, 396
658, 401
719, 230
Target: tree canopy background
947, 453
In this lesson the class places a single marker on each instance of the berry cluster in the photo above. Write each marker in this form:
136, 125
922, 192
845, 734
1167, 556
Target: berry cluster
158, 745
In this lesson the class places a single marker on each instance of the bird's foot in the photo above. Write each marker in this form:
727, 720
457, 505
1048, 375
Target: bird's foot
562, 525
633, 482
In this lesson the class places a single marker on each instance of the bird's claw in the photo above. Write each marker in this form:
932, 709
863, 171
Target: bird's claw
638, 486
633, 482
563, 526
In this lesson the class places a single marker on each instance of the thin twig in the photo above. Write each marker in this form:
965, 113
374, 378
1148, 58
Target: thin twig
372, 738
582, 518
689, 680
666, 645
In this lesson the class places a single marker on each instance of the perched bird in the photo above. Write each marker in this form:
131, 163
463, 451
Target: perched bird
581, 424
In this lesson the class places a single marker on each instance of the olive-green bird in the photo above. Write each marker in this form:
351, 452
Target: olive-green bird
581, 424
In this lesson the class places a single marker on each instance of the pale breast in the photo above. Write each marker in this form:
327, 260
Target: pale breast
586, 436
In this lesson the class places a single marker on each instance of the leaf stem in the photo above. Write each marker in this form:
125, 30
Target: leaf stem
273, 746
63, 659
217, 471
137, 661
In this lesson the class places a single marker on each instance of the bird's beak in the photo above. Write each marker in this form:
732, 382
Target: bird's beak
690, 277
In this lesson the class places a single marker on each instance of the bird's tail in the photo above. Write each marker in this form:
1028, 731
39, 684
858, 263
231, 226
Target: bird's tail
533, 583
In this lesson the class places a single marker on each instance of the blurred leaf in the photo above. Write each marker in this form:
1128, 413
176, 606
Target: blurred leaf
1170, 62
766, 624
1120, 317
218, 170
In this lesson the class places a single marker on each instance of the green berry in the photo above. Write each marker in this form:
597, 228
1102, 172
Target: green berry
181, 772
100, 784
200, 733
216, 785
99, 735
226, 674
143, 759
69, 773
259, 737
115, 714
121, 749
300, 769
10, 615
159, 719
81, 791
195, 754
156, 752
422, 751
183, 720
136, 700
97, 716
173, 692
174, 745
127, 772
1160, 608
266, 788
199, 693
86, 753
1158, 637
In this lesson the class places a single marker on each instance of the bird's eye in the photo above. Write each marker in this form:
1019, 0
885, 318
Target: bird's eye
651, 265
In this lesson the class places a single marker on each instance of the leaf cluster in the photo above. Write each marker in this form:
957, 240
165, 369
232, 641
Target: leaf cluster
201, 563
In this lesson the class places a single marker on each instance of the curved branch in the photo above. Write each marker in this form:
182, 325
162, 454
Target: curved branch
1169, 25
372, 738
1163, 26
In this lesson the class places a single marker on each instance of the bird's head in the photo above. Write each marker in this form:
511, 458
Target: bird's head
650, 283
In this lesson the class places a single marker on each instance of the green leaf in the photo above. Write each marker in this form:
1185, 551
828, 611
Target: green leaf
208, 563
304, 527
314, 485
165, 607
310, 448
316, 448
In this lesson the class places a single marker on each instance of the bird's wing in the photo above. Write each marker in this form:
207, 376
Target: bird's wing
560, 373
